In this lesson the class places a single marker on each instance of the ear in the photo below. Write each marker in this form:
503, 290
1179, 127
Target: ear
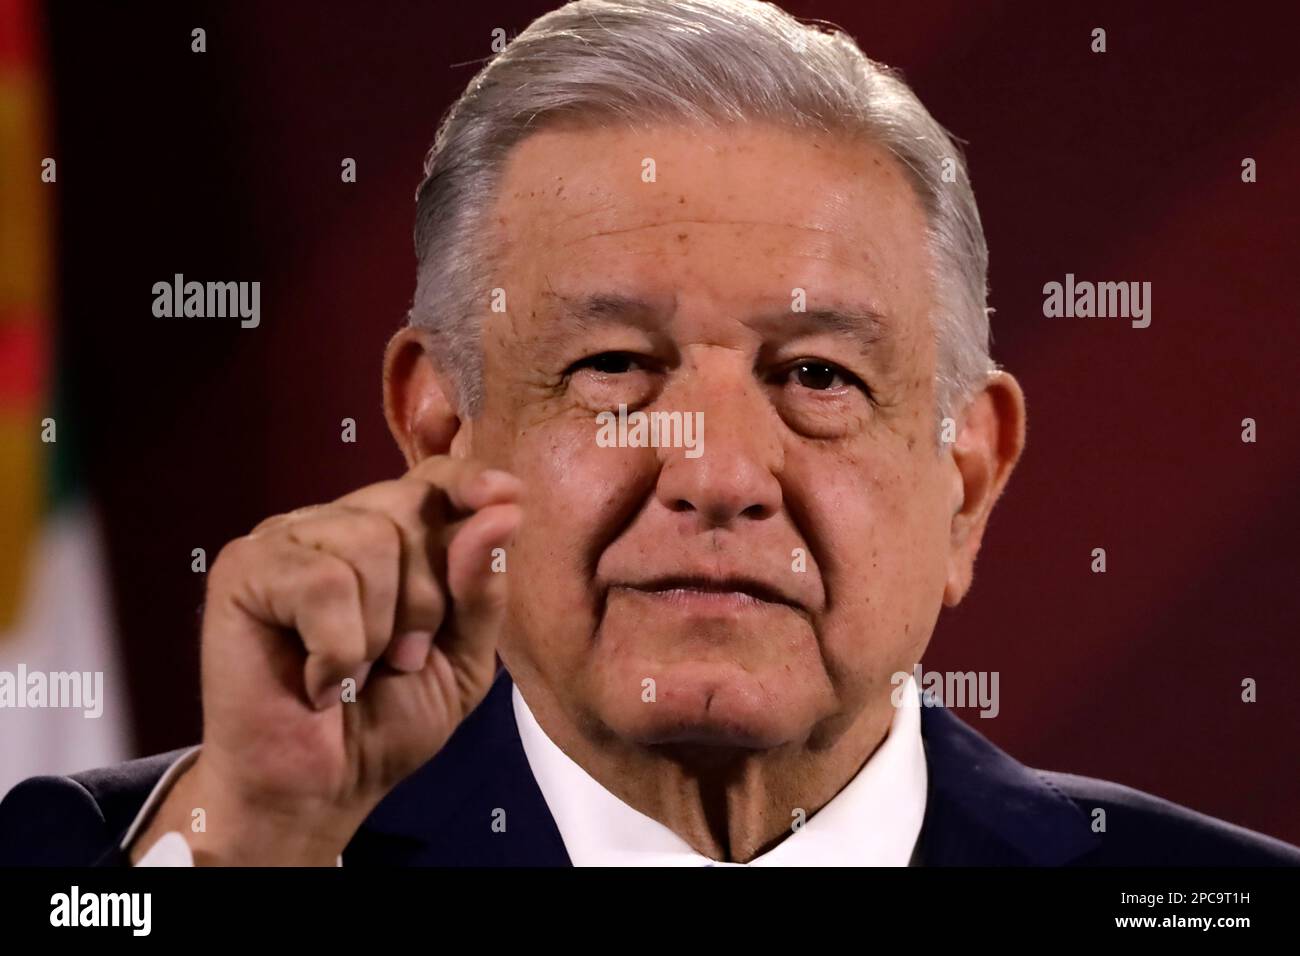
988, 446
419, 401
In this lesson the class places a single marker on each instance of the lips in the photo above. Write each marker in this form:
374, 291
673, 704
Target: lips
669, 585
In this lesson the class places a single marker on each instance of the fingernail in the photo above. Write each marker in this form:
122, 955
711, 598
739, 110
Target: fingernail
360, 674
409, 651
496, 478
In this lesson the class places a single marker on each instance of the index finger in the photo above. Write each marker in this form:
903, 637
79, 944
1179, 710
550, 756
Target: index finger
468, 483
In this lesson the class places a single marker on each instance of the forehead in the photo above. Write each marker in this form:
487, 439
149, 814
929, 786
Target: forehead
742, 213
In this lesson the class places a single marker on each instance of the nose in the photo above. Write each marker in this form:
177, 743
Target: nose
736, 476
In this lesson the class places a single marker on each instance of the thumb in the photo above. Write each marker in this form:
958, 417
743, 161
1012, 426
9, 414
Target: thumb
478, 592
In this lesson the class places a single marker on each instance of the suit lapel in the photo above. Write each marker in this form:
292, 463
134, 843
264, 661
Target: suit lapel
474, 804
986, 809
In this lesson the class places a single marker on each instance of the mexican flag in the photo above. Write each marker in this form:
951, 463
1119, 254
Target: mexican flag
56, 633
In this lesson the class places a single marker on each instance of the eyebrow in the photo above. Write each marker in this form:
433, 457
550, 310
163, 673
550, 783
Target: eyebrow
867, 325
609, 308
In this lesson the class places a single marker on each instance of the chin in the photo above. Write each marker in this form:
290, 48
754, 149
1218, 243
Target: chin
712, 706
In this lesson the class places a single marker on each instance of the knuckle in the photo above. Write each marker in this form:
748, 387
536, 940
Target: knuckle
285, 518
432, 465
379, 536
329, 580
425, 597
421, 499
234, 558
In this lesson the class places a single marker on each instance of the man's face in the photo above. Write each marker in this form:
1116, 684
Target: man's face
772, 585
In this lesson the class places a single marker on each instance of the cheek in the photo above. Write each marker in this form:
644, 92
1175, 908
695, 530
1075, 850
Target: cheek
882, 550
869, 509
578, 496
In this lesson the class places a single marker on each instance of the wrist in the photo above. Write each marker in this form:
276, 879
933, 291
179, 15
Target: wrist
237, 830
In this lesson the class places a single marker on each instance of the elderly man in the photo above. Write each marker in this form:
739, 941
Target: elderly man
699, 210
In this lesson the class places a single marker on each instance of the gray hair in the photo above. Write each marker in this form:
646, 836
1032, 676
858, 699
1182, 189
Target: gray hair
704, 61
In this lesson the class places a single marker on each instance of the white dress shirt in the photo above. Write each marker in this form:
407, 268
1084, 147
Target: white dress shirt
874, 821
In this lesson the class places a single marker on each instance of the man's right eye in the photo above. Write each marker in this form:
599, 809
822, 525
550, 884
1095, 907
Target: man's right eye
608, 363
608, 379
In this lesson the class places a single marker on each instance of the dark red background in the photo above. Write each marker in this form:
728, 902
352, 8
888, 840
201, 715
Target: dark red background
1122, 166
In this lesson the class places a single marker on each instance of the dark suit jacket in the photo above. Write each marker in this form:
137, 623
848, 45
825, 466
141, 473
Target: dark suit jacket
984, 808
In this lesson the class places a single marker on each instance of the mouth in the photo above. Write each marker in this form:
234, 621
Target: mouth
725, 592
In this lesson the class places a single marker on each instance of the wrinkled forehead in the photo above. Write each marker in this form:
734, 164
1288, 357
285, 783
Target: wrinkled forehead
731, 214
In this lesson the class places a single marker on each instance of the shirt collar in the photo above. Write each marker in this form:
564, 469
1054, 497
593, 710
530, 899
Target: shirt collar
874, 821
